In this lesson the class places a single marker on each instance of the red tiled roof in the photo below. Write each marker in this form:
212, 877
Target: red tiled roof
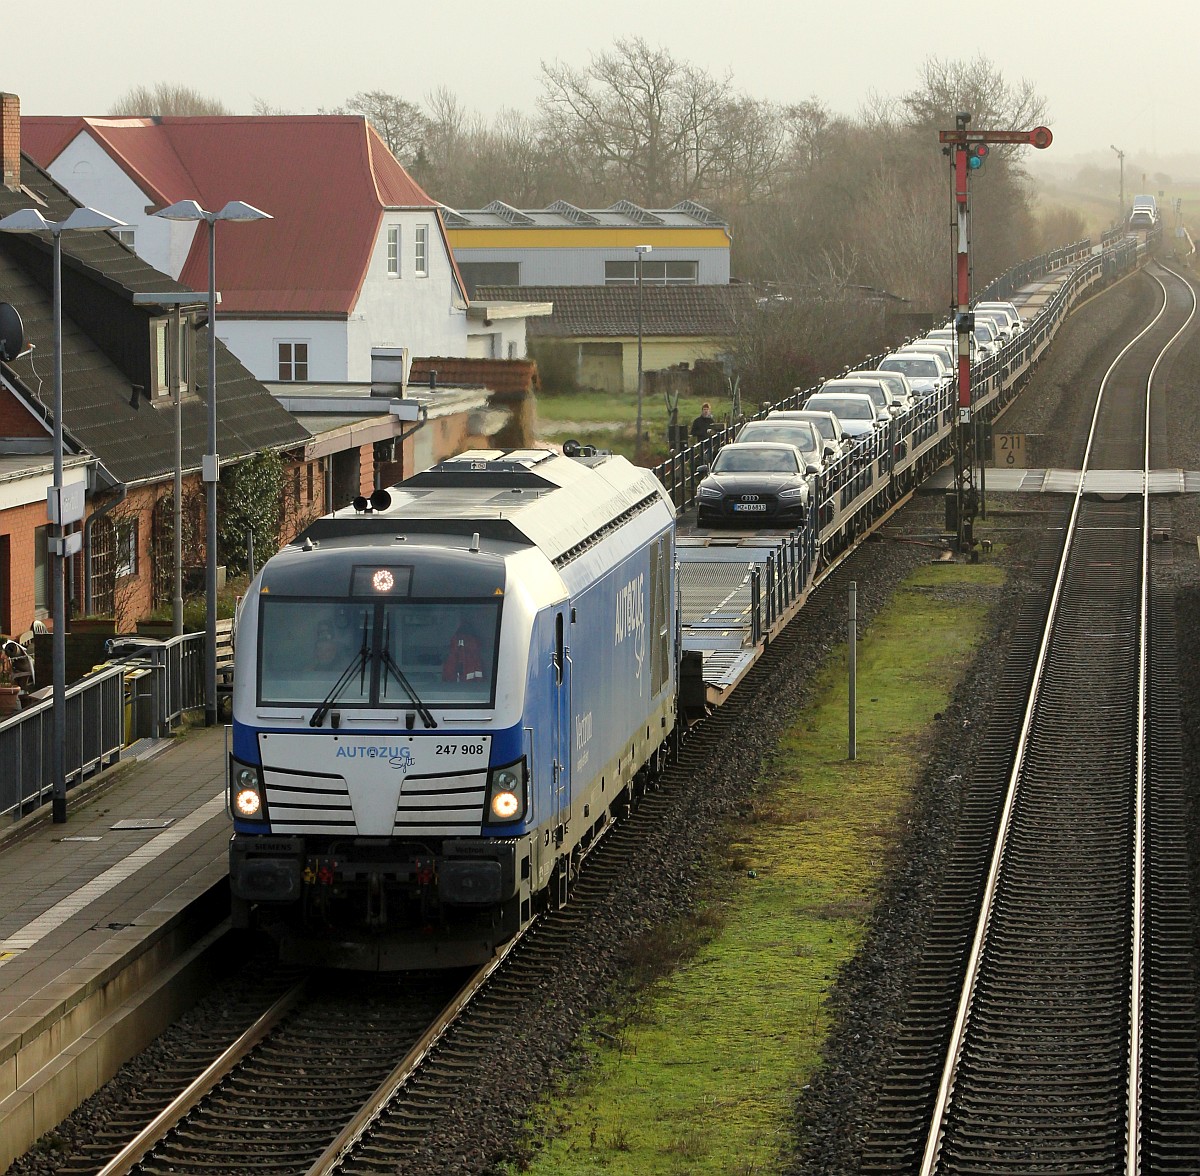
325, 179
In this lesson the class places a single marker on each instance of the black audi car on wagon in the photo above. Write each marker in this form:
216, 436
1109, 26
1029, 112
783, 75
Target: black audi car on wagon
753, 482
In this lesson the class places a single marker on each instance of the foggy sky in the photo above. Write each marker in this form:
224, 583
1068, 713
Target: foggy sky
1111, 73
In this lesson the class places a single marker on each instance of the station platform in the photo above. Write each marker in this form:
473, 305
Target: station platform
1004, 480
97, 909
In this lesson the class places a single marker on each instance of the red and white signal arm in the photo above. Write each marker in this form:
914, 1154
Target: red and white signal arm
1041, 137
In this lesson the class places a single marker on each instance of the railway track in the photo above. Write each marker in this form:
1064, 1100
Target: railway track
446, 1074
1053, 1023
437, 1069
276, 1096
347, 1073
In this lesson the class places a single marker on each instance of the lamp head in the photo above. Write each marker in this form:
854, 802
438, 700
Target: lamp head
238, 210
30, 220
643, 249
90, 220
183, 210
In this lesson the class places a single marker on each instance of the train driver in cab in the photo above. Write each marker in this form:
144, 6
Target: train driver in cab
464, 661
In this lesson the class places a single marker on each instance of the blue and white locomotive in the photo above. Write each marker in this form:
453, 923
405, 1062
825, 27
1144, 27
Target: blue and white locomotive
442, 696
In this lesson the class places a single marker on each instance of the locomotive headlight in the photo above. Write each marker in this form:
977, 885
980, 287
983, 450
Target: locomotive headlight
506, 793
245, 791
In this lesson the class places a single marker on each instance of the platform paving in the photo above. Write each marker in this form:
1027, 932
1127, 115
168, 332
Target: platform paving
92, 910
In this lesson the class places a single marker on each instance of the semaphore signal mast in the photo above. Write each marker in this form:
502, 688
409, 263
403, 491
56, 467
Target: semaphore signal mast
967, 151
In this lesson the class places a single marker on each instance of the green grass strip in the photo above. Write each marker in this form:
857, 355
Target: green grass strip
700, 1072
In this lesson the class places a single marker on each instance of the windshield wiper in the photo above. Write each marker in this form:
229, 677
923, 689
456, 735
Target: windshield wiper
358, 662
390, 666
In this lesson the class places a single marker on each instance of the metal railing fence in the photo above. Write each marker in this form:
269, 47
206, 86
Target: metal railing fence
141, 696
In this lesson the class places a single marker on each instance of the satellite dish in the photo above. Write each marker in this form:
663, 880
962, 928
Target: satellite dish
12, 332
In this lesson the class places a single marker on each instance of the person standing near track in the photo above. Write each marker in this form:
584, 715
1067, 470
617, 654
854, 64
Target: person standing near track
704, 426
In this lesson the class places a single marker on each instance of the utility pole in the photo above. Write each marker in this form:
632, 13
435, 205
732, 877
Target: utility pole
967, 151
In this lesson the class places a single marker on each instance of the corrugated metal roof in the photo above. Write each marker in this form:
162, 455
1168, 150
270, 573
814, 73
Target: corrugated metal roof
325, 179
561, 215
613, 310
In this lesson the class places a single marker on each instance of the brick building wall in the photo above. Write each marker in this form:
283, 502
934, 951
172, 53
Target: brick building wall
19, 525
16, 420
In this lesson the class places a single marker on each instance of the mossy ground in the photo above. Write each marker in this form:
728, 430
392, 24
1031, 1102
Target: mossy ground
699, 1069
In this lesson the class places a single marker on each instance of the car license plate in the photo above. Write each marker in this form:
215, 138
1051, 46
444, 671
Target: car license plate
749, 506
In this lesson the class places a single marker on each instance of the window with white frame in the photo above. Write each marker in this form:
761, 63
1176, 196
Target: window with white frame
125, 562
421, 251
41, 571
125, 236
171, 354
393, 251
293, 362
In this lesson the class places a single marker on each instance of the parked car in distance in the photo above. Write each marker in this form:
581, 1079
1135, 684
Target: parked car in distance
754, 482
926, 372
949, 337
875, 389
946, 354
985, 333
1016, 322
899, 390
999, 323
854, 410
825, 423
1142, 218
802, 434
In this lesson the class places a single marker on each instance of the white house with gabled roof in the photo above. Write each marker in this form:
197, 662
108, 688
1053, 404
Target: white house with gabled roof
354, 267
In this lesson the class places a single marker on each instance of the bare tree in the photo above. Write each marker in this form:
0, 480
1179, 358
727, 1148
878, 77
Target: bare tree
638, 119
398, 122
265, 109
812, 133
164, 99
977, 87
902, 226
441, 162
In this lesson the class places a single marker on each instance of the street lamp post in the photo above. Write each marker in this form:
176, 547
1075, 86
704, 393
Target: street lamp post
640, 250
176, 302
189, 210
1121, 157
63, 509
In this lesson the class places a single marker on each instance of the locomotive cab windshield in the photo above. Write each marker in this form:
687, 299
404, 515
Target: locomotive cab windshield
403, 653
400, 637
